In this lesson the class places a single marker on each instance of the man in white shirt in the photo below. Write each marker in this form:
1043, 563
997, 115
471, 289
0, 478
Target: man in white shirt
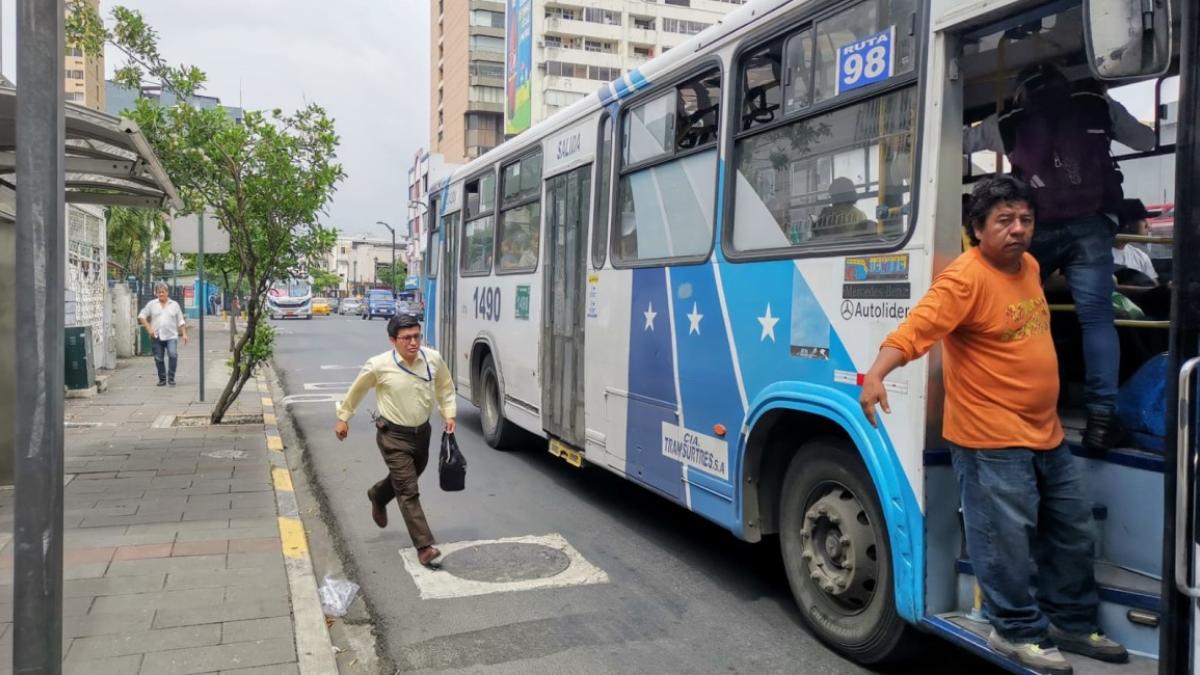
1133, 216
163, 319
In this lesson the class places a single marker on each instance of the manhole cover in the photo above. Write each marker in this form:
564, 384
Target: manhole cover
505, 562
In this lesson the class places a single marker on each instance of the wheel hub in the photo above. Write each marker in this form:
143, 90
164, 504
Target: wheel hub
839, 547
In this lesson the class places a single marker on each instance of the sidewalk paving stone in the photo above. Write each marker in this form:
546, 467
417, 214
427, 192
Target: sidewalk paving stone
172, 558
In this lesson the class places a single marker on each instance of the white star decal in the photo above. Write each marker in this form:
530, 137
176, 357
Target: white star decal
694, 318
649, 314
768, 324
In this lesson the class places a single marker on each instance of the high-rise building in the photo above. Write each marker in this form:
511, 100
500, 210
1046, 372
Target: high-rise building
84, 74
558, 51
466, 78
579, 45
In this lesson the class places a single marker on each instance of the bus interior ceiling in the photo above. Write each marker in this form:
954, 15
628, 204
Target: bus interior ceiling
1125, 484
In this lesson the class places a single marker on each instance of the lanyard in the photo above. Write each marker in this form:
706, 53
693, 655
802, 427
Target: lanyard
428, 373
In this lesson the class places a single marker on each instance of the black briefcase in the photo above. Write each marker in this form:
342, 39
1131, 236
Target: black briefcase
452, 466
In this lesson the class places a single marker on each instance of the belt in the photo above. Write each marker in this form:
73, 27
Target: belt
391, 427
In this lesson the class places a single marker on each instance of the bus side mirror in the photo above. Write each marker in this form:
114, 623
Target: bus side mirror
1127, 38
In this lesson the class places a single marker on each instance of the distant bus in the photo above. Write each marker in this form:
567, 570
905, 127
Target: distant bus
290, 299
682, 278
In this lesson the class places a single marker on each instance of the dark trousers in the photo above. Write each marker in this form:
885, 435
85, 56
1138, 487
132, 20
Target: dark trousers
406, 452
167, 350
1022, 507
1082, 249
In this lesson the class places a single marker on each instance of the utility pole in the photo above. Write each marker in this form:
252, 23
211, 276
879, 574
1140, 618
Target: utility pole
393, 280
203, 306
40, 261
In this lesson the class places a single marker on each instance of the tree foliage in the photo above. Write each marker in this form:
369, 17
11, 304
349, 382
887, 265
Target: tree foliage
324, 280
392, 280
267, 179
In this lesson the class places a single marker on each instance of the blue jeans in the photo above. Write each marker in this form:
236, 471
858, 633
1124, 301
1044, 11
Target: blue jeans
1022, 507
171, 349
1082, 249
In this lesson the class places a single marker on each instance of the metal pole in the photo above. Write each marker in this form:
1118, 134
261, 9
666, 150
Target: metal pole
203, 306
40, 256
393, 262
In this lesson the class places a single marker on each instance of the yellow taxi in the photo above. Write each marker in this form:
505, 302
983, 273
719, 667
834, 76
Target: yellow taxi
322, 307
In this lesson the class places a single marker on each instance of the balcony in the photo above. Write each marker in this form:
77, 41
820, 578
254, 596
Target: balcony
582, 56
572, 84
557, 24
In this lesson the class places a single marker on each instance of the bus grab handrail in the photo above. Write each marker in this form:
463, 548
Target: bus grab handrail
1183, 480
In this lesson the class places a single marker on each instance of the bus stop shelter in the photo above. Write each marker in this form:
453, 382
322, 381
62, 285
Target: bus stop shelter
108, 162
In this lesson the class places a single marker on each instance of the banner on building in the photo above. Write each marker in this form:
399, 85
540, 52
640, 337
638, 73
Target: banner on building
518, 65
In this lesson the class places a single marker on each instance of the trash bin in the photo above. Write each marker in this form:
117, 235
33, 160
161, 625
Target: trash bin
80, 368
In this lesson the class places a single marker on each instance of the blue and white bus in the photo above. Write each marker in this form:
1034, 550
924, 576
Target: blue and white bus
682, 277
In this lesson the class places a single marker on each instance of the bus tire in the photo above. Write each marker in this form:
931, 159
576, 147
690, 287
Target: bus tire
836, 554
497, 431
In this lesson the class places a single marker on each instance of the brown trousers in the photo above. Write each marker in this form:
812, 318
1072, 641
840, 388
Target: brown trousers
406, 453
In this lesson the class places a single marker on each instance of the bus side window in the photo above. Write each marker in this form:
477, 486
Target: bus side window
519, 227
603, 181
667, 187
478, 228
842, 174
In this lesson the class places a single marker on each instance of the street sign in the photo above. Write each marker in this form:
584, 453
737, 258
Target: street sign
185, 234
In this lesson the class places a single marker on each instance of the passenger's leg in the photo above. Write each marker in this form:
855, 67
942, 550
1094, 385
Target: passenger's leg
1089, 269
1047, 248
1000, 505
1064, 544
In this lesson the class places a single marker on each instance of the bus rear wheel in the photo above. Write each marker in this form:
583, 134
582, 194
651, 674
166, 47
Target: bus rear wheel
497, 431
835, 551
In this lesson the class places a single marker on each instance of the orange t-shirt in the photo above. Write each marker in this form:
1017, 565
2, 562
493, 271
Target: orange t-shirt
1000, 369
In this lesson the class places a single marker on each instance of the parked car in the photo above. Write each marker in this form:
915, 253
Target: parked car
350, 306
381, 303
322, 306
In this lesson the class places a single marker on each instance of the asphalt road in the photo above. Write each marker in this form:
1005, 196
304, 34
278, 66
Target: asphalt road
680, 595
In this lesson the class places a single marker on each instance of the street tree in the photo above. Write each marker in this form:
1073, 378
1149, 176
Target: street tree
324, 280
393, 280
268, 178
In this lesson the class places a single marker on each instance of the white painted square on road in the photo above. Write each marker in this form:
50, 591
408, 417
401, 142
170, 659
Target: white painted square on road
440, 584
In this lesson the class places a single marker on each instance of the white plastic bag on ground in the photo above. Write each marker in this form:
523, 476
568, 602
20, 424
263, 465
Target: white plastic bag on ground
336, 595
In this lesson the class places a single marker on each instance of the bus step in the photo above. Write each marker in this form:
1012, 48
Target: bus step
566, 453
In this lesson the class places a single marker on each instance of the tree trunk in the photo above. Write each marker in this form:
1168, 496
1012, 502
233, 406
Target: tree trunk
241, 372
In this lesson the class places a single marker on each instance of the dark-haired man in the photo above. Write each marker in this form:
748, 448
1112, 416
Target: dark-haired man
1022, 493
408, 380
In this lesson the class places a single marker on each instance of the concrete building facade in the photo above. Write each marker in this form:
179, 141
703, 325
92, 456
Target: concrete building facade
84, 75
580, 44
466, 78
426, 170
355, 258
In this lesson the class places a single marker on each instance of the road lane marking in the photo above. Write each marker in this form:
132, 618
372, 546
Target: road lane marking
313, 398
441, 584
326, 386
341, 367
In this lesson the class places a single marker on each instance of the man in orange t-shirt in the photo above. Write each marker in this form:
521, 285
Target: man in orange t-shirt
1022, 493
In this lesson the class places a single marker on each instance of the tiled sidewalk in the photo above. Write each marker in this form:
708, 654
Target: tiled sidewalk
173, 561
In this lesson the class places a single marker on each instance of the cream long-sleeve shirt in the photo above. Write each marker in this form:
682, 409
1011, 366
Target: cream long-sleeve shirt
404, 393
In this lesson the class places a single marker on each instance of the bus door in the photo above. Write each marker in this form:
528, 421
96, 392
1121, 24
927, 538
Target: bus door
1179, 648
567, 200
448, 290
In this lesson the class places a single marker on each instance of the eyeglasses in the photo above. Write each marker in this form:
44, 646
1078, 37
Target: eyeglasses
408, 338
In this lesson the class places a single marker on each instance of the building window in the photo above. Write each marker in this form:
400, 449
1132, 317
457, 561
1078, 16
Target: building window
486, 94
643, 23
643, 52
602, 16
679, 3
598, 46
683, 26
487, 43
487, 69
554, 41
561, 13
487, 19
564, 69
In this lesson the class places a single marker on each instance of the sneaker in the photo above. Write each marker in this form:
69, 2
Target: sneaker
1096, 646
1103, 432
161, 383
171, 382
1041, 656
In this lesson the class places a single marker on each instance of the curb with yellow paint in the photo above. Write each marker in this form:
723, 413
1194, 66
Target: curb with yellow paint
314, 648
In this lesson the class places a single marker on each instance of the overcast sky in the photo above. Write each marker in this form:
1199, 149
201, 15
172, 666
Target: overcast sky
365, 61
